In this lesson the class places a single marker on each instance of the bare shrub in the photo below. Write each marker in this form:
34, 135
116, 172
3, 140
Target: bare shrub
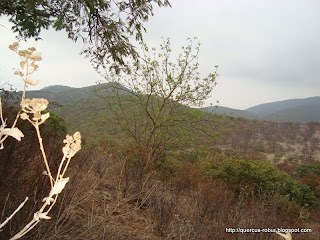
186, 177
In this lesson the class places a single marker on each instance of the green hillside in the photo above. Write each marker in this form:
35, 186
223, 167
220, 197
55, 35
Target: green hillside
92, 118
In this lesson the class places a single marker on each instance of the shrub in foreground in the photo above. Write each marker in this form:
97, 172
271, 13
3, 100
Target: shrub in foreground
262, 177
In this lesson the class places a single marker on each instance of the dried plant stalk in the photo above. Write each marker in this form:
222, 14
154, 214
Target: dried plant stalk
31, 110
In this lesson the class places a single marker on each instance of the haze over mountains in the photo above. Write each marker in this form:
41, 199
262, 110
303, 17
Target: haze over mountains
296, 110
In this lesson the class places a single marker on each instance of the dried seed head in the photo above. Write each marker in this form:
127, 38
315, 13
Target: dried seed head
32, 49
36, 56
24, 116
24, 53
35, 106
73, 145
14, 47
18, 73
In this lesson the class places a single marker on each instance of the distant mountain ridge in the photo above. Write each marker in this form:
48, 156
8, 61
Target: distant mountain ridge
295, 110
231, 112
270, 108
64, 94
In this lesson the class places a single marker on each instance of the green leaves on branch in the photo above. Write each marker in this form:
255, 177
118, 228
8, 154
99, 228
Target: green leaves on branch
104, 26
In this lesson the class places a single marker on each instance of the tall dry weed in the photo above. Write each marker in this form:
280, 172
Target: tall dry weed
31, 110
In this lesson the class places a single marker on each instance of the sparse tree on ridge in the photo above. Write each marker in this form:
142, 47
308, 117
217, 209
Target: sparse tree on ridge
151, 104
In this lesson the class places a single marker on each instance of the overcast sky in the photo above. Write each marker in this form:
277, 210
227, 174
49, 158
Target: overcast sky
267, 50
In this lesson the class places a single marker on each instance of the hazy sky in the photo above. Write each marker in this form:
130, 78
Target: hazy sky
267, 50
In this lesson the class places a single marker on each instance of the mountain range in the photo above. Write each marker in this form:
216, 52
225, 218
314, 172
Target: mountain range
295, 110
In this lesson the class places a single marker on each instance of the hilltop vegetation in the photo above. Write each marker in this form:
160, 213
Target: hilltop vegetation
64, 95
